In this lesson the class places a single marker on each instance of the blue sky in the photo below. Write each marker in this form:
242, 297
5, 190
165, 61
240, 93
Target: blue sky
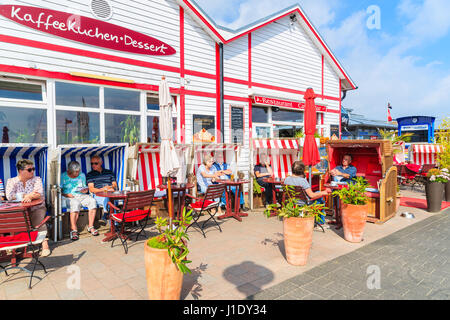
405, 62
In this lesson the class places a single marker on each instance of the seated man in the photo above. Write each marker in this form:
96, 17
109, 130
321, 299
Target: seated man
345, 172
263, 170
100, 179
74, 188
225, 170
207, 174
298, 179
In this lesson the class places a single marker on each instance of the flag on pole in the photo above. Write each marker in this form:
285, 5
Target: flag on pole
389, 112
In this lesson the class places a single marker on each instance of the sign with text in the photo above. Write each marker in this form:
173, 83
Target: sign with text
414, 128
237, 125
86, 30
204, 128
284, 103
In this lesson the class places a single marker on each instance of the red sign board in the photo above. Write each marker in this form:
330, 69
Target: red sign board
284, 103
86, 30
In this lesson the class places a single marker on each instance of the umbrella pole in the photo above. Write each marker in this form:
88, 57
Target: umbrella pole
170, 205
310, 176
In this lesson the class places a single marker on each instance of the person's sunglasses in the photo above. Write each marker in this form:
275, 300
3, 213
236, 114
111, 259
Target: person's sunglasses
30, 169
94, 163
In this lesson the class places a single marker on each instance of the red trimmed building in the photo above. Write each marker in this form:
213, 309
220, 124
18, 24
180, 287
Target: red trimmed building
84, 73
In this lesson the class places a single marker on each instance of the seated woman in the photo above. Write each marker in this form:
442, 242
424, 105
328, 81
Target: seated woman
2, 191
263, 170
207, 174
298, 179
28, 187
74, 187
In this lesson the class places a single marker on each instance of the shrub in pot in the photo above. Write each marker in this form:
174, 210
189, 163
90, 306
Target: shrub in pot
166, 259
434, 188
354, 209
298, 225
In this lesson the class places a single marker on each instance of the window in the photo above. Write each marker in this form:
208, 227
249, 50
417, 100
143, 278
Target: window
262, 132
121, 99
152, 102
285, 115
77, 95
20, 91
122, 128
285, 131
23, 125
153, 129
260, 114
77, 127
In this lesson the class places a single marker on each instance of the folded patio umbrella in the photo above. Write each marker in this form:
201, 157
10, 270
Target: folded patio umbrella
169, 164
311, 155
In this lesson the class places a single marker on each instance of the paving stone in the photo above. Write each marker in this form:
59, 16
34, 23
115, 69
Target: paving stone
302, 279
343, 289
274, 292
297, 294
338, 296
319, 290
313, 296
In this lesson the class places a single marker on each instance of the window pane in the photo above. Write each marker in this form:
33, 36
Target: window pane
22, 91
121, 99
152, 103
76, 95
259, 114
262, 132
153, 129
284, 115
122, 128
77, 127
285, 131
23, 125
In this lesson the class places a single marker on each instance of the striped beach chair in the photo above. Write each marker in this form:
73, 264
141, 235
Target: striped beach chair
421, 154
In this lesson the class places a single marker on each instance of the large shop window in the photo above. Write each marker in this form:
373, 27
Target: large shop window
122, 99
23, 125
152, 102
77, 95
20, 91
122, 128
286, 115
260, 114
77, 127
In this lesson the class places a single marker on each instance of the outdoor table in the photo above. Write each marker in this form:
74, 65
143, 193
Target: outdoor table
336, 205
113, 196
275, 182
180, 189
22, 206
237, 214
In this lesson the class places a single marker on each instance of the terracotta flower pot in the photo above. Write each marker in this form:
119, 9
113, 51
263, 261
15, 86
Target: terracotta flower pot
298, 239
435, 194
447, 191
353, 221
164, 280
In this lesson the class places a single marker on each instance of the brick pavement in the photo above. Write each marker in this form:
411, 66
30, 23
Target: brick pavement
414, 263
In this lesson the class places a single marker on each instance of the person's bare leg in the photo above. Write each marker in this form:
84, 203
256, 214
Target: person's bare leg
92, 214
73, 220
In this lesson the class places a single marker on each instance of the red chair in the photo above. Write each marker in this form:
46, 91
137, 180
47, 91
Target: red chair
18, 233
209, 203
133, 216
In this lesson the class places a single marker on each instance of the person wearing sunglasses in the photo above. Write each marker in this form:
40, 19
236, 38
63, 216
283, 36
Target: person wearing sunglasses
28, 187
99, 180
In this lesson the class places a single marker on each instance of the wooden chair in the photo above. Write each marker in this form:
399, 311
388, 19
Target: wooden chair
209, 203
300, 194
17, 232
133, 216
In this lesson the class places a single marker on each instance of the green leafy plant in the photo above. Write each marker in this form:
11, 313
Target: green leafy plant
130, 130
256, 187
355, 193
392, 135
299, 134
24, 136
437, 175
174, 239
317, 135
291, 207
443, 138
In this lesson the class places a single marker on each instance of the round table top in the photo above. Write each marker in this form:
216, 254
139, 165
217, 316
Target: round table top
274, 180
22, 205
232, 182
112, 194
176, 187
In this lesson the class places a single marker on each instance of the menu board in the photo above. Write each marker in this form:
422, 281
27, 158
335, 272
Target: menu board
204, 128
237, 125
334, 129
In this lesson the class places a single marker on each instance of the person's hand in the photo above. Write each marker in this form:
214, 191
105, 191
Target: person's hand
84, 190
27, 198
69, 195
328, 190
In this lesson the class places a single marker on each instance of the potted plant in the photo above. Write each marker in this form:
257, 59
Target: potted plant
298, 226
300, 135
317, 137
434, 188
443, 158
166, 259
354, 209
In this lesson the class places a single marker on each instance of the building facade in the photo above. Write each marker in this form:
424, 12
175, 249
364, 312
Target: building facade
88, 72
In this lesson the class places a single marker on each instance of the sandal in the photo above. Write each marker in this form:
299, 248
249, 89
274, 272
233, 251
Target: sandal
93, 231
74, 235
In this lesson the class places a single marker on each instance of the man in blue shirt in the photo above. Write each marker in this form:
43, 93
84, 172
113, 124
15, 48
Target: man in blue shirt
345, 172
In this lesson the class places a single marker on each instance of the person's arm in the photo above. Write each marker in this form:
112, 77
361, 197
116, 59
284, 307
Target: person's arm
37, 193
316, 195
10, 190
95, 190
